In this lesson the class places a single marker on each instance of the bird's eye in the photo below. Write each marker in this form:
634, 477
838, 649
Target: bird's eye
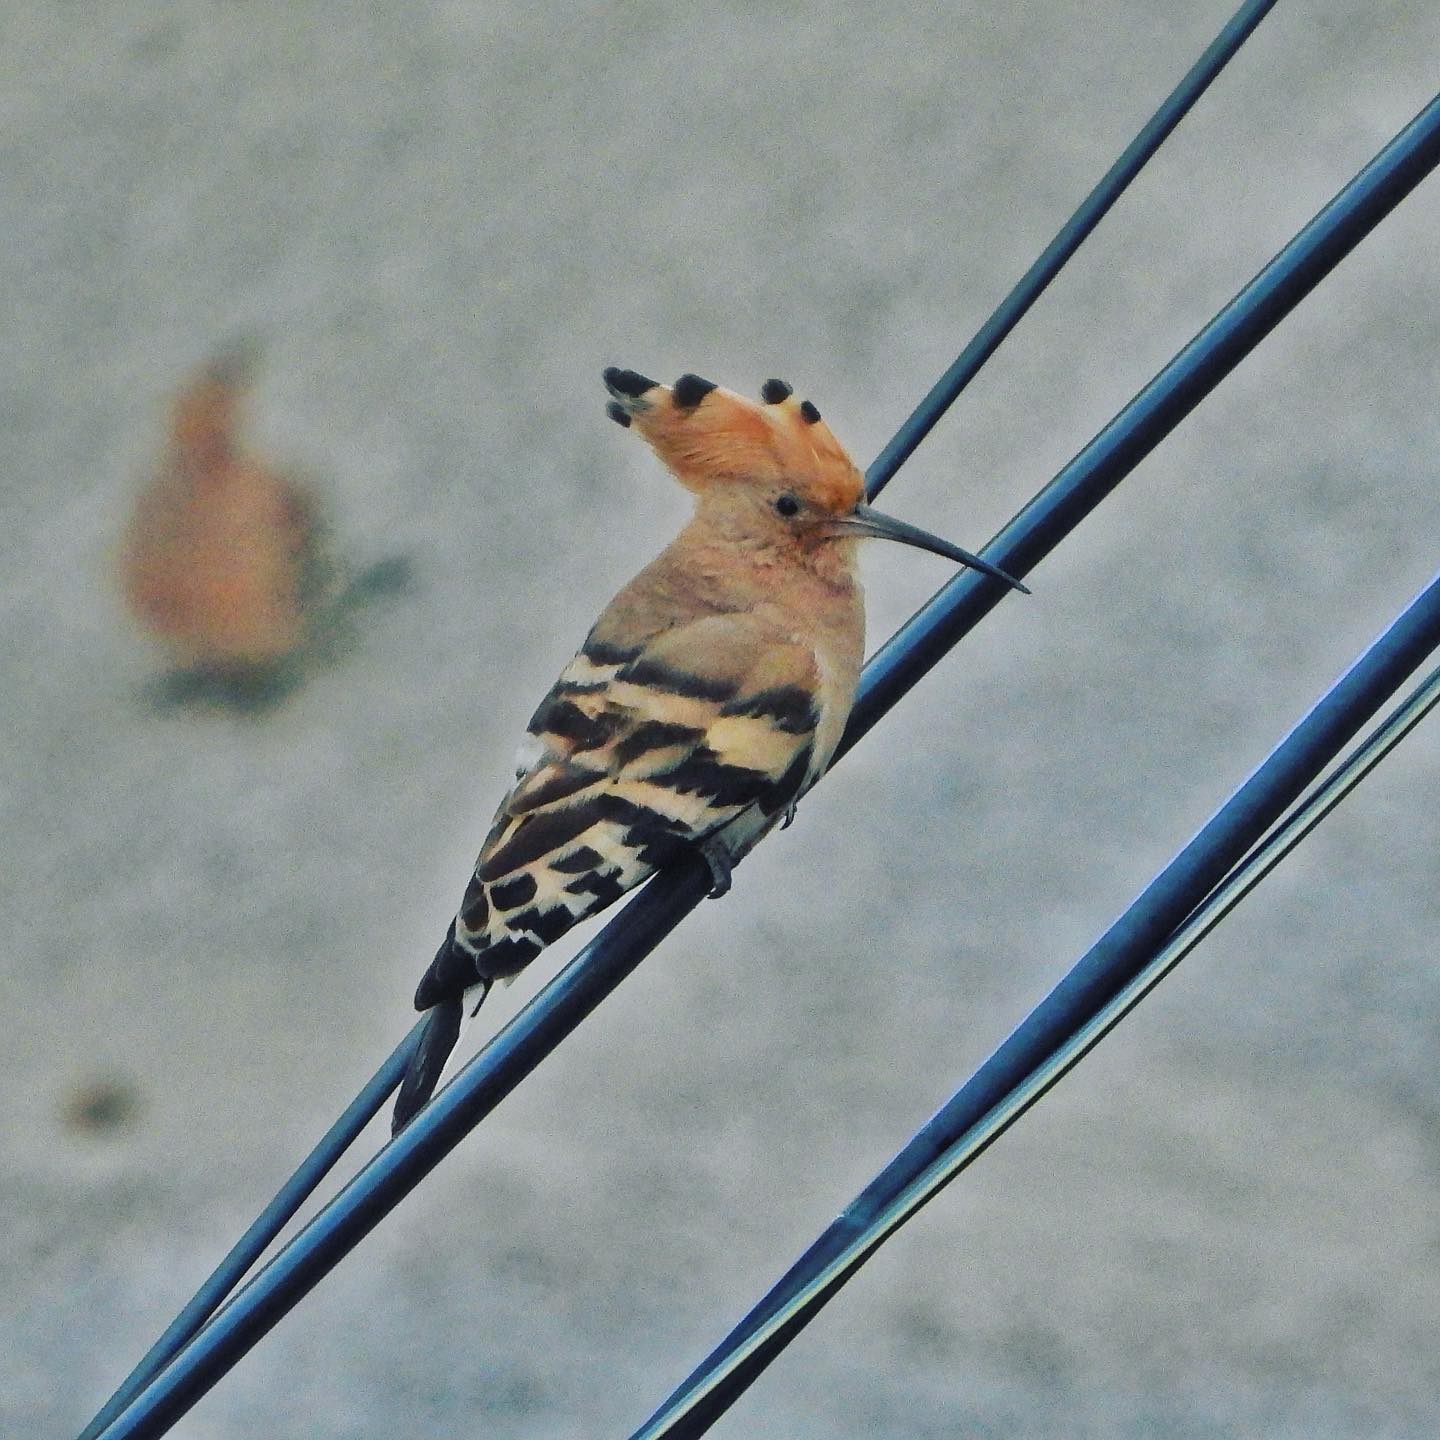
788, 506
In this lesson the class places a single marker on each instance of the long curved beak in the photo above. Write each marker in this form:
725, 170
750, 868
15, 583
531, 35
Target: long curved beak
862, 520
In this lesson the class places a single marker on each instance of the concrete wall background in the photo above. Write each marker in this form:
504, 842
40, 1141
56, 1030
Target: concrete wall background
442, 219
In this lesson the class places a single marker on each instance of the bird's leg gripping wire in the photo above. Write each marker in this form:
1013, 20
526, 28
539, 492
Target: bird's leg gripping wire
722, 865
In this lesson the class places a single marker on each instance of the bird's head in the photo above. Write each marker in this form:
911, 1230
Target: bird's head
206, 413
770, 470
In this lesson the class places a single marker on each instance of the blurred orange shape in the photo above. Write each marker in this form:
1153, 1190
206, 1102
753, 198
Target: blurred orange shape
219, 560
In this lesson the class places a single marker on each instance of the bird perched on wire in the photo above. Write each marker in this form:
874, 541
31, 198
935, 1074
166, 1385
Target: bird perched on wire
225, 560
221, 559
706, 699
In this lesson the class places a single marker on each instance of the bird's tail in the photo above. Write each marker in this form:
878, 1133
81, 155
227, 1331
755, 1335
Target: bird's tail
450, 987
443, 1023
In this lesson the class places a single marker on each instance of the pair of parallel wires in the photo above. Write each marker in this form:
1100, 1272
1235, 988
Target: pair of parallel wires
1331, 749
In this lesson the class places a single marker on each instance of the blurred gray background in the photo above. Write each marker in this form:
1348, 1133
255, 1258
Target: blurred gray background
441, 220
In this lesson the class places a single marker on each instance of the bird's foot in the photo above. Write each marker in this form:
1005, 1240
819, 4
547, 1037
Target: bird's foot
789, 818
717, 857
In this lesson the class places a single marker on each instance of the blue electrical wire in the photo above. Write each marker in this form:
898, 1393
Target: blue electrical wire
919, 424
660, 906
1129, 960
268, 1224
928, 635
1082, 484
1072, 235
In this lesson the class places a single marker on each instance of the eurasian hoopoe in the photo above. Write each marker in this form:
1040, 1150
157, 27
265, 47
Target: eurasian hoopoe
219, 561
705, 701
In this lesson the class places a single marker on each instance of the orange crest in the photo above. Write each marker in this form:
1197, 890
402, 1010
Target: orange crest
707, 435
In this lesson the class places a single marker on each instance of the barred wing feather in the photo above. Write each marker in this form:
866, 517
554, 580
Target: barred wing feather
643, 750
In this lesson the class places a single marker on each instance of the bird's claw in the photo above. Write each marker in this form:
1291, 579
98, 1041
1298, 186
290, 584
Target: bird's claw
789, 819
717, 857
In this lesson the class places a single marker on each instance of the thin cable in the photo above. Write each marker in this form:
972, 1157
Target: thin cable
695, 1407
1082, 484
1072, 235
919, 424
661, 905
930, 634
268, 1224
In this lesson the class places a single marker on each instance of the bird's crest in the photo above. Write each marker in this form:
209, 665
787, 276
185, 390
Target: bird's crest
708, 436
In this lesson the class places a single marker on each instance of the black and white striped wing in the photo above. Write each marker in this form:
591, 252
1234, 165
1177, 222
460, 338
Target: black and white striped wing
641, 751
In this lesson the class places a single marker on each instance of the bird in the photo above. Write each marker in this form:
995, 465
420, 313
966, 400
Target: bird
222, 560
707, 698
